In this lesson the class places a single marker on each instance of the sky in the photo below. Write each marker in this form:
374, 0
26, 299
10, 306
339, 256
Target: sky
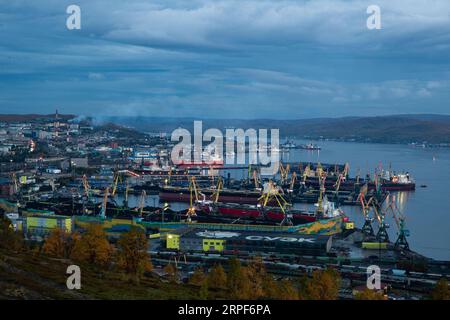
244, 59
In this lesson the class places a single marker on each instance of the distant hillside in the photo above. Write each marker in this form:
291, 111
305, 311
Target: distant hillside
30, 117
382, 129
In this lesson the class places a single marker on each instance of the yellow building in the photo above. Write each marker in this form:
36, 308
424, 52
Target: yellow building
43, 224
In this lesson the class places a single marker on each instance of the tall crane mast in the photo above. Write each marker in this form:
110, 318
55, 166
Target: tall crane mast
382, 234
105, 203
367, 228
399, 218
142, 202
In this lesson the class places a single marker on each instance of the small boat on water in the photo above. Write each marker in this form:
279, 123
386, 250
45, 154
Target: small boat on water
309, 146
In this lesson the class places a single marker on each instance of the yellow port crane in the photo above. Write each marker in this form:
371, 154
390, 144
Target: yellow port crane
193, 192
284, 172
216, 192
272, 193
293, 179
115, 183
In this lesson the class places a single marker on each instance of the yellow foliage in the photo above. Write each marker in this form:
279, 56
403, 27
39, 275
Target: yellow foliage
132, 253
93, 247
55, 244
368, 294
323, 285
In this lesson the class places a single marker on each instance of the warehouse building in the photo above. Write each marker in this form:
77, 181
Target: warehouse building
42, 225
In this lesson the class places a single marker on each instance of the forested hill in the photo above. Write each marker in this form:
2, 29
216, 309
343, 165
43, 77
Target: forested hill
388, 129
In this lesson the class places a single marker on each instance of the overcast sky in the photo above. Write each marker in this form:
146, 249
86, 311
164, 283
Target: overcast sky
235, 59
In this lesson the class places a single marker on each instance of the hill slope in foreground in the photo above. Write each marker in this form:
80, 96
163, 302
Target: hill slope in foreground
29, 276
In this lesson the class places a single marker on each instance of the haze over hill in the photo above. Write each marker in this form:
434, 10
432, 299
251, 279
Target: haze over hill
428, 128
381, 129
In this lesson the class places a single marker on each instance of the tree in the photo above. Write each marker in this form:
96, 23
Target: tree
204, 290
237, 280
256, 272
271, 289
368, 294
55, 244
323, 285
441, 290
171, 272
132, 256
198, 277
217, 277
93, 247
286, 291
9, 238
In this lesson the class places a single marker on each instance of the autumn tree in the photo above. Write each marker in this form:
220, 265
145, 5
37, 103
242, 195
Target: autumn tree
55, 244
9, 238
217, 278
198, 277
256, 272
132, 255
204, 289
286, 291
323, 285
368, 294
93, 247
171, 272
271, 289
441, 290
238, 283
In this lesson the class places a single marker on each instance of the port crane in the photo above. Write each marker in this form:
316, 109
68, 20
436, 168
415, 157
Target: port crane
115, 183
284, 172
367, 228
292, 183
142, 203
216, 192
271, 193
320, 209
399, 218
104, 204
382, 234
127, 189
193, 192
337, 187
256, 180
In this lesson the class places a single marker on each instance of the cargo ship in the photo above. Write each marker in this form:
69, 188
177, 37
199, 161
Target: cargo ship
182, 194
283, 214
400, 182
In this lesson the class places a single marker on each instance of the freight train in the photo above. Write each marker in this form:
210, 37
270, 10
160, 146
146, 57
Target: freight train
188, 240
